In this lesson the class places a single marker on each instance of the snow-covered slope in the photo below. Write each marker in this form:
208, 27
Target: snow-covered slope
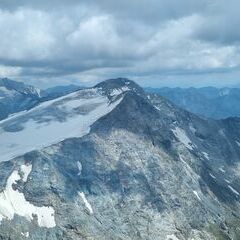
52, 121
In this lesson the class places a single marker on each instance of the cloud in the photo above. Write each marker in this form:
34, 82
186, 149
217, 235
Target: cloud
221, 21
90, 40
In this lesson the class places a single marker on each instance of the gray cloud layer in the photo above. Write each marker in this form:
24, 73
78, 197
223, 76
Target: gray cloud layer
90, 40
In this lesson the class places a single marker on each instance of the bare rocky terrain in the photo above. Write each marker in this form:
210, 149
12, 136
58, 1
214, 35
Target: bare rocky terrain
145, 169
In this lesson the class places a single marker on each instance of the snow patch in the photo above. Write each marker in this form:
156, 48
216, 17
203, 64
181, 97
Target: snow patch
25, 169
227, 181
224, 92
197, 195
205, 155
221, 132
233, 190
118, 91
79, 165
238, 143
26, 234
182, 137
14, 202
212, 176
193, 129
87, 204
222, 170
172, 237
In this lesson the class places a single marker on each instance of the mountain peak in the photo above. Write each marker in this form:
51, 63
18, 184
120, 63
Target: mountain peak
20, 87
114, 87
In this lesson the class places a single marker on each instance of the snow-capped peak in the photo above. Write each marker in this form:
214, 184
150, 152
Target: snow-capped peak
22, 88
115, 87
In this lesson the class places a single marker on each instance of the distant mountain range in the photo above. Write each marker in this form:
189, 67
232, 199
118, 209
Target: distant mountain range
17, 96
114, 162
208, 101
59, 91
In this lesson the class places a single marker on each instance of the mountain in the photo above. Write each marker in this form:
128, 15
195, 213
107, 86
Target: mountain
59, 91
111, 162
16, 96
208, 101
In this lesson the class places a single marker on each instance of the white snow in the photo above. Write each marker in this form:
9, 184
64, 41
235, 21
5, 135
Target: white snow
224, 92
205, 155
40, 106
193, 129
25, 169
212, 176
38, 91
79, 165
221, 132
197, 195
118, 91
222, 170
182, 137
36, 135
172, 237
14, 202
233, 190
87, 204
226, 180
238, 143
26, 234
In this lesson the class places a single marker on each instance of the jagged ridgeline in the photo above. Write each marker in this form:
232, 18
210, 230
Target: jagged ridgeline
112, 162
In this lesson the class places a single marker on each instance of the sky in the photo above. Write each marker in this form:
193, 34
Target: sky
154, 42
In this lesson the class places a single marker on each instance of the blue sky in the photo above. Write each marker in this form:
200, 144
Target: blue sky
154, 42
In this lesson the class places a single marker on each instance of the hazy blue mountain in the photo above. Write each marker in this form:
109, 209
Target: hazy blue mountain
111, 162
208, 101
17, 96
59, 91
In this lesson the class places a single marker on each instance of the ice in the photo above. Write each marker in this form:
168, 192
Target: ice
197, 195
87, 204
233, 190
37, 134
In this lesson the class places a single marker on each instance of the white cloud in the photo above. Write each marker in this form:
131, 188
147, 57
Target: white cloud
89, 40
9, 71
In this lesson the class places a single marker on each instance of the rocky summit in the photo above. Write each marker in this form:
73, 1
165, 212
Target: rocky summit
112, 162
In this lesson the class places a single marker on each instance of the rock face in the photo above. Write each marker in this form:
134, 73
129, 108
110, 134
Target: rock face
16, 96
208, 101
144, 170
